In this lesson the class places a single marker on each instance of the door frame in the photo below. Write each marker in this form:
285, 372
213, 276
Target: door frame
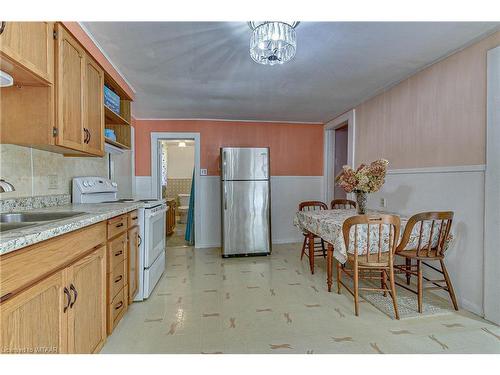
156, 137
348, 118
491, 296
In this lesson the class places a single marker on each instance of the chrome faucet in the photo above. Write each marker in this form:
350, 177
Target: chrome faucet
6, 186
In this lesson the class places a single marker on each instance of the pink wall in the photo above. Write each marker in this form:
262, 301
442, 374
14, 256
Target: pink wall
296, 149
435, 118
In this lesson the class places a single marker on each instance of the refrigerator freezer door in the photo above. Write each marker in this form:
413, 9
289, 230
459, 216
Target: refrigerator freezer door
245, 217
241, 163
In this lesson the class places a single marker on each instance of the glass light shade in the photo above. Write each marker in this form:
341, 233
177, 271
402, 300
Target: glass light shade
182, 144
273, 43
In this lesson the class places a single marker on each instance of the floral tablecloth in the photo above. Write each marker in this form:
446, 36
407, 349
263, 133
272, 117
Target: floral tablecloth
327, 224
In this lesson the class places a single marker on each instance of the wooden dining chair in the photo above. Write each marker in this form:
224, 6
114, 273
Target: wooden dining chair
309, 238
425, 239
370, 255
342, 204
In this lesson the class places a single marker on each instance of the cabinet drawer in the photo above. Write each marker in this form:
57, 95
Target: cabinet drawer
117, 250
116, 309
133, 218
117, 279
117, 225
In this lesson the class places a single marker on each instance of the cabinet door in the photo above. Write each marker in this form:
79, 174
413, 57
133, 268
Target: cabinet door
70, 72
31, 45
94, 108
133, 256
87, 311
35, 320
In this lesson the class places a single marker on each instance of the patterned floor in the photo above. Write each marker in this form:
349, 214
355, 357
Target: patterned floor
207, 304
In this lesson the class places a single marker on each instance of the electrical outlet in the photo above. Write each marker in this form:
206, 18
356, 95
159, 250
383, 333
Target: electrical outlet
53, 181
383, 202
203, 172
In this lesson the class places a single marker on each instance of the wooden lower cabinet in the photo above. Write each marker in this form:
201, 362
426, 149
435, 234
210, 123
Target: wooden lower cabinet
87, 310
133, 262
35, 321
172, 208
117, 276
64, 313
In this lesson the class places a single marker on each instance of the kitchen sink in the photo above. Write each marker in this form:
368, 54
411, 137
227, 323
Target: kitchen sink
30, 217
4, 227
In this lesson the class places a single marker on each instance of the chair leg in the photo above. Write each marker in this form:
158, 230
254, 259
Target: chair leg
393, 291
356, 289
419, 285
303, 248
408, 268
311, 252
339, 277
384, 282
448, 284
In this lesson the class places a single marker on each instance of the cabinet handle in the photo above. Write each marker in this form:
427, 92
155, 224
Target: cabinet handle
118, 278
119, 253
90, 136
140, 240
119, 225
72, 287
134, 218
85, 135
66, 291
2, 26
120, 304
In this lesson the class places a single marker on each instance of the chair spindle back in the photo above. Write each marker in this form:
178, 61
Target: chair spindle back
312, 206
377, 229
433, 231
342, 204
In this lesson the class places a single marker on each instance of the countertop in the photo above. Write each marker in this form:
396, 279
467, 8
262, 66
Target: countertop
16, 239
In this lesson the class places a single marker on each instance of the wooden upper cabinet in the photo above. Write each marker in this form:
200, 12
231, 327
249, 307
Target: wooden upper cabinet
87, 311
29, 47
94, 108
70, 75
35, 320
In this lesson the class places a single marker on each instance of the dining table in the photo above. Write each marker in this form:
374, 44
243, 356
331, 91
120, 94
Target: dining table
327, 225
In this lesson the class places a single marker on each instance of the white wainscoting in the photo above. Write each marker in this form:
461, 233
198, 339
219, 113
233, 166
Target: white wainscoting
286, 193
459, 189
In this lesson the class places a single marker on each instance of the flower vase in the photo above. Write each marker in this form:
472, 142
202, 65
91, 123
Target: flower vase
361, 198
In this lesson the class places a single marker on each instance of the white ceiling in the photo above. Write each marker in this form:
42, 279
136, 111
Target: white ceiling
204, 70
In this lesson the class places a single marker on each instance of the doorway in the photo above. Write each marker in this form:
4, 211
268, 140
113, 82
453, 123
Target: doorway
340, 157
339, 151
175, 161
177, 168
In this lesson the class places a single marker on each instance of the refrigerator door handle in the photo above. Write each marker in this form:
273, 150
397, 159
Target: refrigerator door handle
225, 198
224, 165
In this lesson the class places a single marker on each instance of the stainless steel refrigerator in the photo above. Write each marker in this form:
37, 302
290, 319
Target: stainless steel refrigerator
246, 201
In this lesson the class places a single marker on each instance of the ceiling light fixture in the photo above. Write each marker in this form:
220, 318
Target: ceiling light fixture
182, 144
6, 79
273, 42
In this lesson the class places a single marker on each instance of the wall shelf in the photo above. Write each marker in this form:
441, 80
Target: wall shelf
113, 118
117, 144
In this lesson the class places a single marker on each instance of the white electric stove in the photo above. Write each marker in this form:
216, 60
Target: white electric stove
152, 213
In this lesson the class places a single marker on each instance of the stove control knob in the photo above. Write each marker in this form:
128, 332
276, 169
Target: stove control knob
114, 184
86, 184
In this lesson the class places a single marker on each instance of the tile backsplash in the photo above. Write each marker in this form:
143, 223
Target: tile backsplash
35, 172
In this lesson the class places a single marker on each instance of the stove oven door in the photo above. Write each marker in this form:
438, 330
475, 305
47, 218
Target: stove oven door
154, 230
